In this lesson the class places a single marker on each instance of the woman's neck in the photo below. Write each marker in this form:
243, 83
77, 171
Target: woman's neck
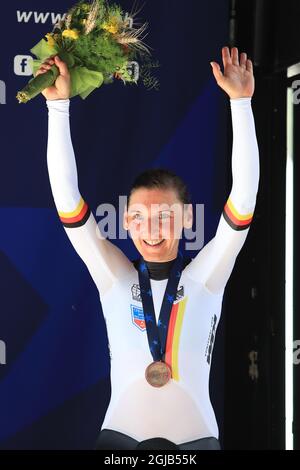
159, 270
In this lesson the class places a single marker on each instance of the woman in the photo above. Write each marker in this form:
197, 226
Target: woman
161, 311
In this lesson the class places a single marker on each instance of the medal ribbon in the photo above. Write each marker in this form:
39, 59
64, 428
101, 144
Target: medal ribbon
157, 332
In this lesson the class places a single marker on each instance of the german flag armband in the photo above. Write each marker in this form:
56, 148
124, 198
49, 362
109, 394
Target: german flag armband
76, 218
235, 219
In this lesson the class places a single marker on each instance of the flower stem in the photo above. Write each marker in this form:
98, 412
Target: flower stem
37, 84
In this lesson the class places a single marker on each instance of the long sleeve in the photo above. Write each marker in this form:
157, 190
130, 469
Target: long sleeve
61, 161
245, 165
105, 262
214, 263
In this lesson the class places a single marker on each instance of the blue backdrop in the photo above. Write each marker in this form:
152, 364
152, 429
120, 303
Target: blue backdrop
54, 384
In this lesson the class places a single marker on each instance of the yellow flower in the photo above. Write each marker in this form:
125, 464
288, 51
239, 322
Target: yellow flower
71, 33
50, 39
111, 27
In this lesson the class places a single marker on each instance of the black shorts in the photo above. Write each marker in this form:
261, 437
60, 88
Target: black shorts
114, 440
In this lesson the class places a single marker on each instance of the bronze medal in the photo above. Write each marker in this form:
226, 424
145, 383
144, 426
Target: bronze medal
158, 374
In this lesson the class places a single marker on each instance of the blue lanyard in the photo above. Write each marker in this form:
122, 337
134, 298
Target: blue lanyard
157, 332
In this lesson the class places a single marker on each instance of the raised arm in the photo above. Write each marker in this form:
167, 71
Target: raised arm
105, 262
214, 263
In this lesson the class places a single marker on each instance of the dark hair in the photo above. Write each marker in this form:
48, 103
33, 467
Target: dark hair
162, 179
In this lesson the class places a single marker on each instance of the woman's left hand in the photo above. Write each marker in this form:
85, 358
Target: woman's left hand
238, 79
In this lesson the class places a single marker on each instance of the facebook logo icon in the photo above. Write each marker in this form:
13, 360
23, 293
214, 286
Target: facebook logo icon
23, 65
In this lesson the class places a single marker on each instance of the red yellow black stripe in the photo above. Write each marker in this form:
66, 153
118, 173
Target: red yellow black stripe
173, 338
76, 218
236, 220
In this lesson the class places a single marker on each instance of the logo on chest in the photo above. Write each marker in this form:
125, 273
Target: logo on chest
138, 318
137, 313
136, 293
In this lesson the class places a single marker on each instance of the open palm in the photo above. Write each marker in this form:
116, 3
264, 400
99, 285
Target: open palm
237, 80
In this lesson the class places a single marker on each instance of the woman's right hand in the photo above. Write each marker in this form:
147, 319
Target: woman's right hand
61, 89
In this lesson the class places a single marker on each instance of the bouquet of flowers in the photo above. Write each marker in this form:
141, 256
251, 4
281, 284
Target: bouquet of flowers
98, 42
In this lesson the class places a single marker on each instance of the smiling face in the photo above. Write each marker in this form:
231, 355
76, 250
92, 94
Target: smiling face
155, 219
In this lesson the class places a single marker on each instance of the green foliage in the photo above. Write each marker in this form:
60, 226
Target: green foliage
81, 10
115, 10
101, 54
